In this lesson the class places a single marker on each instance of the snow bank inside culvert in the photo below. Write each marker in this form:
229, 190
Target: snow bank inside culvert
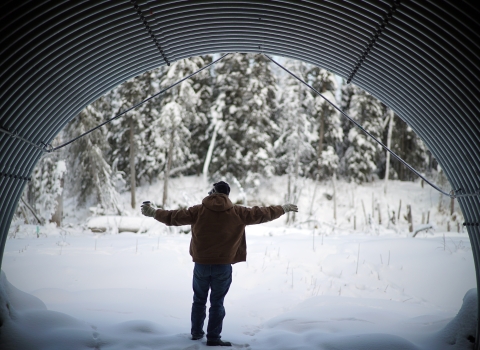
27, 324
317, 323
460, 332
369, 342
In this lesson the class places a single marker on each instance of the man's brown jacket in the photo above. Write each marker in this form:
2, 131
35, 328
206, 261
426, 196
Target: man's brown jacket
218, 227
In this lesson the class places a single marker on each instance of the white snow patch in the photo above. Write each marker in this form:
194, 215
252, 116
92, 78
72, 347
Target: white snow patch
460, 332
317, 284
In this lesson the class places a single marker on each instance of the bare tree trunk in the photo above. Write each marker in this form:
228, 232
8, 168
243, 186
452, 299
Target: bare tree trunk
24, 214
399, 209
334, 181
133, 175
289, 196
409, 218
364, 213
31, 210
313, 197
208, 158
294, 198
167, 170
389, 142
373, 206
379, 214
57, 216
321, 135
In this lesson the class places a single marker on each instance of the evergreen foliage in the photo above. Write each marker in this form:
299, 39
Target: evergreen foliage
200, 125
327, 122
47, 186
177, 116
266, 122
362, 153
244, 108
294, 152
92, 175
410, 148
293, 148
146, 141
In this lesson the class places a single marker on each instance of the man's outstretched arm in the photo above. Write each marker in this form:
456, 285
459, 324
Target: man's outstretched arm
258, 215
171, 217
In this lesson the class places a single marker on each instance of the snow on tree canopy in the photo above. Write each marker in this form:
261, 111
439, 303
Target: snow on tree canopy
255, 120
244, 108
362, 152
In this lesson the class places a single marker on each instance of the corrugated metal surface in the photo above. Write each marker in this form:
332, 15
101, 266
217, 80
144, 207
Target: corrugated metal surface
57, 57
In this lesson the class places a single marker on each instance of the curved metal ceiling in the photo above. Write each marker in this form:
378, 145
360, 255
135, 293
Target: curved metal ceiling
419, 57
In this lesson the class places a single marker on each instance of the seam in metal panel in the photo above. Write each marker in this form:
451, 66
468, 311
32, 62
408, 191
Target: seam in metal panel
149, 30
374, 39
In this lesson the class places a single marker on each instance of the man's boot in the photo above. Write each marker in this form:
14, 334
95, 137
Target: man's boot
218, 343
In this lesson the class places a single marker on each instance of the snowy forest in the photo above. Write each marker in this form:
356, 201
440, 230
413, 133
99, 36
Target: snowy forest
242, 121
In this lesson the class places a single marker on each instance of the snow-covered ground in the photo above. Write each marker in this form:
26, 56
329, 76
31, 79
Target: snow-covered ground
314, 284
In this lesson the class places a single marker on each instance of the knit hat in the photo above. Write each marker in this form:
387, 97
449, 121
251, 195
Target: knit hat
221, 187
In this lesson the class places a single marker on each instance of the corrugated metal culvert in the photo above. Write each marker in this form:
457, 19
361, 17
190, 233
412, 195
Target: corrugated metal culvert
421, 58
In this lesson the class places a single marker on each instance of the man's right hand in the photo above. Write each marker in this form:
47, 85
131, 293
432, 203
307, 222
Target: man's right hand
148, 210
290, 207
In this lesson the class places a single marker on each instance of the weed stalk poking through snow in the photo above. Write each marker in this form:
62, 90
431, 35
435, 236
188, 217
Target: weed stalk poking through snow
358, 258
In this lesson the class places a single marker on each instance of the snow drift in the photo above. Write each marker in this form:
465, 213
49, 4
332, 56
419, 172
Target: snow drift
460, 332
25, 323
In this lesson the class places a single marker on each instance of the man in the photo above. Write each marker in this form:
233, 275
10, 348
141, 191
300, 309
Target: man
218, 241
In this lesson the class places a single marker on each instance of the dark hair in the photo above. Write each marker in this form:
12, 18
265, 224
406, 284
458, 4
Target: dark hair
221, 187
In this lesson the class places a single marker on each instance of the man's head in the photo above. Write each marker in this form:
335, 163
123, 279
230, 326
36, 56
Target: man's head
220, 187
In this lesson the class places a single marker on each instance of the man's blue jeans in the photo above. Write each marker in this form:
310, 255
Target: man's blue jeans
217, 278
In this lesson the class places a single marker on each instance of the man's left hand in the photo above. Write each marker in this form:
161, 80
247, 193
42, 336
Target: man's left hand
148, 210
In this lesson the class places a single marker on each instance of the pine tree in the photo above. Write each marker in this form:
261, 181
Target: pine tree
362, 153
162, 127
45, 190
244, 108
92, 177
293, 149
178, 110
129, 141
347, 92
261, 128
410, 148
228, 110
328, 123
200, 126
